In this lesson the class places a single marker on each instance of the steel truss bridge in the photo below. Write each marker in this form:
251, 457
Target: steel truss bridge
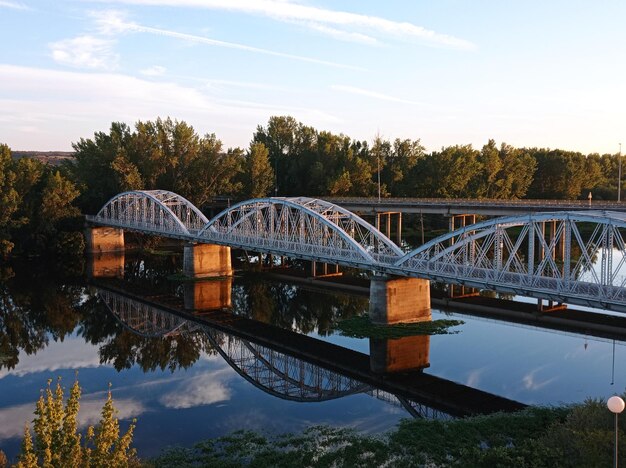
272, 371
581, 260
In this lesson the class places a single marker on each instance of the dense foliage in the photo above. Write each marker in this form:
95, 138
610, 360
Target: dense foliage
580, 435
285, 158
36, 208
57, 442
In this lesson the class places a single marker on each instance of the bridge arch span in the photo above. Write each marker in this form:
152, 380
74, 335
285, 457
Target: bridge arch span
153, 210
304, 227
560, 256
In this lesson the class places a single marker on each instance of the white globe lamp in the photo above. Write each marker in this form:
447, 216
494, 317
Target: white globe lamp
616, 406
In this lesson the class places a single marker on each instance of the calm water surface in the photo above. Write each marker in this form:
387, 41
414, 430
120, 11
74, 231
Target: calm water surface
169, 375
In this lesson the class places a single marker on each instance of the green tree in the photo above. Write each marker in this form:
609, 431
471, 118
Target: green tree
210, 172
279, 137
447, 173
259, 176
92, 165
9, 200
56, 200
504, 172
560, 174
162, 154
126, 173
402, 158
57, 442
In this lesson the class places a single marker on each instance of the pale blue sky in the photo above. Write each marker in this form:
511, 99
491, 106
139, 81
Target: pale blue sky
531, 73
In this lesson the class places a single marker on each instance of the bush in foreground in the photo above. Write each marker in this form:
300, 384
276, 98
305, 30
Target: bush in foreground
55, 441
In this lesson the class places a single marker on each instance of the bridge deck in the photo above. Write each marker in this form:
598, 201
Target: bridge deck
451, 206
575, 255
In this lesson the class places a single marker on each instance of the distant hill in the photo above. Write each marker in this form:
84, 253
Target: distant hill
54, 158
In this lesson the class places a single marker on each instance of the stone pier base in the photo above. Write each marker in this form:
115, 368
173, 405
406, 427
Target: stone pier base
206, 260
399, 300
403, 354
208, 295
104, 239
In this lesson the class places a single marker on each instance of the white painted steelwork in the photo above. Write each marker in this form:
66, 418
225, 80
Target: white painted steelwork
580, 259
302, 227
157, 211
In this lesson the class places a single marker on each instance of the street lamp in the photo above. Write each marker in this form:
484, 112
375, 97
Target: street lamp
616, 406
619, 174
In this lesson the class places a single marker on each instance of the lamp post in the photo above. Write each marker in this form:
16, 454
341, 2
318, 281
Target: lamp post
616, 406
619, 174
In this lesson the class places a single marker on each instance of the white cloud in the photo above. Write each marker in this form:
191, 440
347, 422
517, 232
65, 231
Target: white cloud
113, 22
13, 5
68, 105
203, 389
373, 94
288, 11
218, 84
85, 52
109, 22
474, 377
155, 70
72, 353
531, 382
341, 35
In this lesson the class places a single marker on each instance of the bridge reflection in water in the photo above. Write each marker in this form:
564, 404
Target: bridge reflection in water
299, 368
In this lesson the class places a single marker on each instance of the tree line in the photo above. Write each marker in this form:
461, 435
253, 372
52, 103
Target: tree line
39, 205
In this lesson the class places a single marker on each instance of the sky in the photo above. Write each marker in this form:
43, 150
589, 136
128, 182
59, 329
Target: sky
533, 73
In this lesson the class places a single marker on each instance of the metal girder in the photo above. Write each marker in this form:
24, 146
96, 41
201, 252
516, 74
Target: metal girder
157, 210
514, 254
301, 226
510, 254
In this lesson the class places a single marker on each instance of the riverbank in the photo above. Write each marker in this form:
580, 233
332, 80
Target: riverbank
568, 436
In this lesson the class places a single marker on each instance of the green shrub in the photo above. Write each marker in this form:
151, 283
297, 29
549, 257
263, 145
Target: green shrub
56, 442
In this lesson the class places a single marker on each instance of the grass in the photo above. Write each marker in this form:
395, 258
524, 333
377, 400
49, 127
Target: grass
362, 327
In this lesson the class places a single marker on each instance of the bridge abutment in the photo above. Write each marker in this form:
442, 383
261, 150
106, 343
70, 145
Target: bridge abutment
403, 354
104, 239
206, 261
399, 300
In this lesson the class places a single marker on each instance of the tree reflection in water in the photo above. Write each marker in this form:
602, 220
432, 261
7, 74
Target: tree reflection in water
38, 307
293, 307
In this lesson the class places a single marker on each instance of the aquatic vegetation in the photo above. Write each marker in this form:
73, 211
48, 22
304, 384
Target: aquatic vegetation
362, 327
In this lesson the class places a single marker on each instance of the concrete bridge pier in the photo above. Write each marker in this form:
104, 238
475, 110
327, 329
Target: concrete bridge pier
206, 261
550, 307
325, 270
211, 294
399, 355
399, 300
388, 222
464, 220
104, 239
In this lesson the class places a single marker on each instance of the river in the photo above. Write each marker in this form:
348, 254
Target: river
184, 381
